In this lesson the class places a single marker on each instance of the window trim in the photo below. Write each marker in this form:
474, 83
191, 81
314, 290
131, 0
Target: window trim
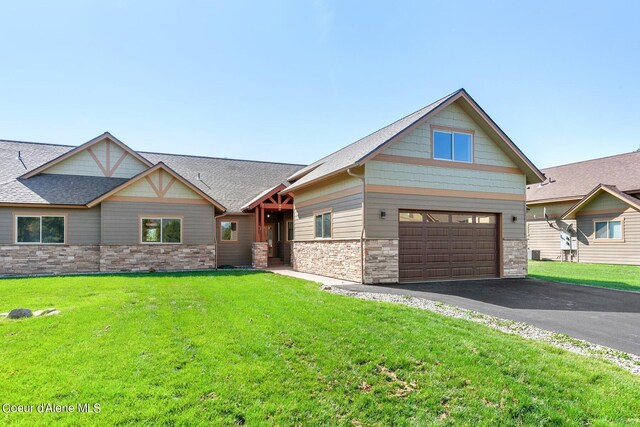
318, 213
39, 215
237, 239
607, 239
452, 131
286, 230
160, 217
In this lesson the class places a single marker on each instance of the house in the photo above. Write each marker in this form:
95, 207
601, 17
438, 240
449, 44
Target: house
438, 194
587, 212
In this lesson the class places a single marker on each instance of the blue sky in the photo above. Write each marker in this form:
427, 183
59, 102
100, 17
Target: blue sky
294, 80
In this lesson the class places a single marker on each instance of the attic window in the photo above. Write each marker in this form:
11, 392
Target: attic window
452, 146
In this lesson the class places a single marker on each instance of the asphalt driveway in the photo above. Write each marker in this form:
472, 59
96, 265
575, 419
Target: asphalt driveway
602, 316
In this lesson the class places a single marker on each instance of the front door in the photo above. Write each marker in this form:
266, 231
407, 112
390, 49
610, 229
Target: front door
271, 240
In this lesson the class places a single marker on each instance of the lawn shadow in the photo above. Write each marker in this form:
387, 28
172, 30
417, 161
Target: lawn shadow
234, 272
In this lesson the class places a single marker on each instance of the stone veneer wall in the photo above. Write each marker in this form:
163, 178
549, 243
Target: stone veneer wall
333, 258
381, 257
157, 257
514, 258
65, 259
46, 259
259, 254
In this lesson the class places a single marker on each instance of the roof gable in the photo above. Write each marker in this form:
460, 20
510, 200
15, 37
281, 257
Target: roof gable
158, 183
103, 156
366, 148
597, 192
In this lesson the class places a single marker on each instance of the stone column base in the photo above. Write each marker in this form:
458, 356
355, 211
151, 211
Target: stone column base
381, 257
514, 258
259, 254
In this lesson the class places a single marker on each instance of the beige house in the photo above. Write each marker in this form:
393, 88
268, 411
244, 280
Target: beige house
587, 212
438, 194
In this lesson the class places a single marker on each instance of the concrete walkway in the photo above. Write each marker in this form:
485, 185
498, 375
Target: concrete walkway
329, 281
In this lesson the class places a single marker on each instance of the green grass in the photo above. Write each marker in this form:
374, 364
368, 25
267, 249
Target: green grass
229, 348
625, 277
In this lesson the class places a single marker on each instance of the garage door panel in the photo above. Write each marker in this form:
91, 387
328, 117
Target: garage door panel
460, 249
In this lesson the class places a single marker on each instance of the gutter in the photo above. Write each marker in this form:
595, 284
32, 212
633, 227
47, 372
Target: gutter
363, 234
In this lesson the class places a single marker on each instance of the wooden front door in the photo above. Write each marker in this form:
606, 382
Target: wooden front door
271, 240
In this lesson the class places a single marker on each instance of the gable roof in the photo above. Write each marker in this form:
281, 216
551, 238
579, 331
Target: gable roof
159, 166
364, 149
230, 182
104, 137
574, 180
600, 188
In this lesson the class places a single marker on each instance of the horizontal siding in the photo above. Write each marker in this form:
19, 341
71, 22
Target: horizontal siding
237, 253
545, 238
347, 218
83, 225
418, 142
554, 210
341, 183
120, 223
627, 252
387, 228
419, 176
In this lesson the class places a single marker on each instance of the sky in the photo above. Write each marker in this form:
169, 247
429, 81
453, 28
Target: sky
292, 81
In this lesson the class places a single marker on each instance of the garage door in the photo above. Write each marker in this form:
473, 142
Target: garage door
448, 245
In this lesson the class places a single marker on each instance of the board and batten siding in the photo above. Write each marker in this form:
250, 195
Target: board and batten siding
121, 221
608, 208
82, 163
342, 196
237, 253
83, 225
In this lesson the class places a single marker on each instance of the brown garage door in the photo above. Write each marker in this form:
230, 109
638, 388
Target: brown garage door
447, 245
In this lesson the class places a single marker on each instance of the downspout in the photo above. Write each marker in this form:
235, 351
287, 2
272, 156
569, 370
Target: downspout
364, 213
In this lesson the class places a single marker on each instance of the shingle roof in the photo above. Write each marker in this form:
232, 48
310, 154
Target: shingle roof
575, 180
360, 151
230, 182
354, 152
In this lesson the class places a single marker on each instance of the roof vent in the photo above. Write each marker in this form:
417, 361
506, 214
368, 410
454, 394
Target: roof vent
19, 156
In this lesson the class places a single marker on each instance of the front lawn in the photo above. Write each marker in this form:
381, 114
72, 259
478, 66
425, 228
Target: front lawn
626, 277
232, 348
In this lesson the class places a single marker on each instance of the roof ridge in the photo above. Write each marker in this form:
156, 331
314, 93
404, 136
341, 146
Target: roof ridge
220, 158
591, 160
36, 143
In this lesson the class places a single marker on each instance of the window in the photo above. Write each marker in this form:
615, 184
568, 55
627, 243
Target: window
462, 218
36, 229
455, 146
608, 230
485, 219
161, 230
410, 217
323, 225
229, 231
289, 230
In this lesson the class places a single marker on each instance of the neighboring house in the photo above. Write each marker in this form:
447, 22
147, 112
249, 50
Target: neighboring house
439, 194
594, 205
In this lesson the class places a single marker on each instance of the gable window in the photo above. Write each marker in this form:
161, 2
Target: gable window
229, 231
161, 230
454, 146
608, 230
323, 225
289, 230
40, 229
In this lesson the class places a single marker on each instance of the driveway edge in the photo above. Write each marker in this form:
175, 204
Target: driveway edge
627, 361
